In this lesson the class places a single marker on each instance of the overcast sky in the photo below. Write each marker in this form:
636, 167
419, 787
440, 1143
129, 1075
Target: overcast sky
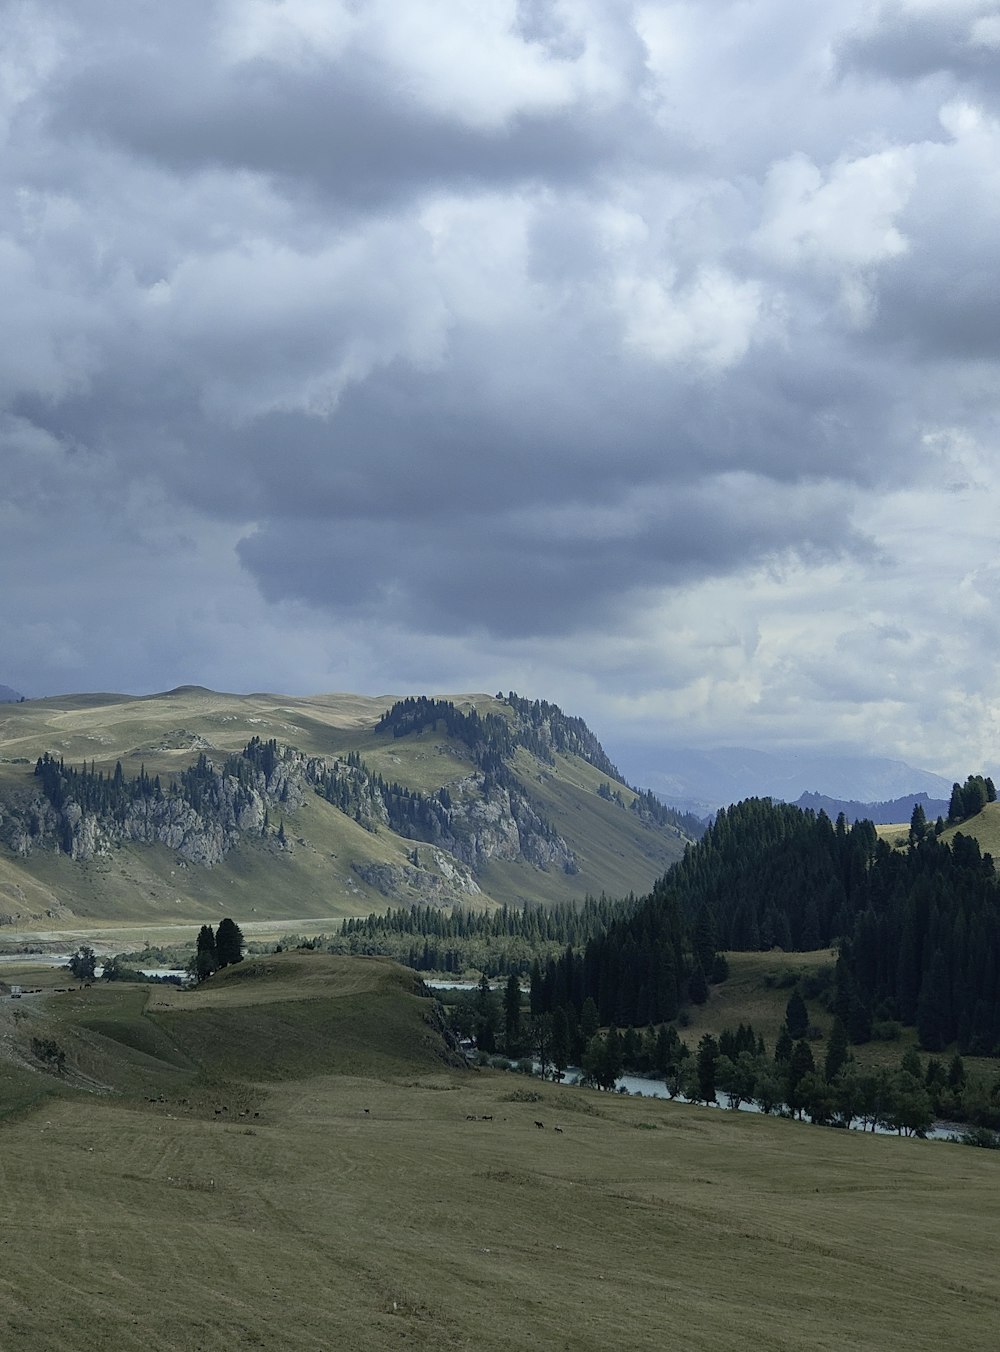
640, 357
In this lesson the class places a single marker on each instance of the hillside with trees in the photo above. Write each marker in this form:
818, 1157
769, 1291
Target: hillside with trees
918, 930
322, 807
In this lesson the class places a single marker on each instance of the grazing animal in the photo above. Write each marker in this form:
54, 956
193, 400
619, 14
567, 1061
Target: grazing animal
540, 1126
469, 1117
489, 1118
558, 1129
367, 1111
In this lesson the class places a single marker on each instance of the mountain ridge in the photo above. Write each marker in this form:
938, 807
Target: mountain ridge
330, 805
702, 781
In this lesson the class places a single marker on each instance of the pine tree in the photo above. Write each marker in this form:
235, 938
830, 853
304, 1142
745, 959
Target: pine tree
796, 1017
918, 824
837, 1053
698, 986
205, 958
932, 1007
801, 1065
589, 1020
560, 1039
783, 1047
512, 1015
706, 1061
228, 943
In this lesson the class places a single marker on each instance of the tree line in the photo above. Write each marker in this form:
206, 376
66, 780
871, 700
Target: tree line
507, 940
918, 929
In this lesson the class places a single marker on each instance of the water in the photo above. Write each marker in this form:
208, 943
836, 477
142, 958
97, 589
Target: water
642, 1087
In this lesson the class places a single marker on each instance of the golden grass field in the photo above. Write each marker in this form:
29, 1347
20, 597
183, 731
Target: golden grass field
140, 1217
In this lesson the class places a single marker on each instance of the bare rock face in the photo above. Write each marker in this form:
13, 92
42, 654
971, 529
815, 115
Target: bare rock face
481, 825
211, 808
434, 881
230, 807
485, 822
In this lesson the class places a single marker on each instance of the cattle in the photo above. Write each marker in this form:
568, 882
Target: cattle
540, 1126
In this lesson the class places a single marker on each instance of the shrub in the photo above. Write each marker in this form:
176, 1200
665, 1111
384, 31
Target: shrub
887, 1030
982, 1137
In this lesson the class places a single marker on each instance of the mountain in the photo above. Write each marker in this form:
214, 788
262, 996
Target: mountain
194, 803
9, 696
702, 781
882, 814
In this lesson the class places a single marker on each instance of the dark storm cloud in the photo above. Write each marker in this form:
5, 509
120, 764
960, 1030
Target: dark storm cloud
626, 340
906, 42
347, 126
548, 571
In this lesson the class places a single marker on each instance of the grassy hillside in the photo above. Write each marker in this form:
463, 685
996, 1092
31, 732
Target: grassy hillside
404, 1203
325, 870
984, 827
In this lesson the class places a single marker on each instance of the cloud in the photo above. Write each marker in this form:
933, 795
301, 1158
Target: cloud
614, 351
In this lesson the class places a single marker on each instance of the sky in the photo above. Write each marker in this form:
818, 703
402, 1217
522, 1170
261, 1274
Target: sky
641, 357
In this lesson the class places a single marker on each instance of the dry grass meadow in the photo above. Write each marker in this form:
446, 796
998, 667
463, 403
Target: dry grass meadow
284, 1160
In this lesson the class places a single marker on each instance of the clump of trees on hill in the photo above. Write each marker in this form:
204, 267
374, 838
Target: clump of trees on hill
918, 929
971, 797
215, 949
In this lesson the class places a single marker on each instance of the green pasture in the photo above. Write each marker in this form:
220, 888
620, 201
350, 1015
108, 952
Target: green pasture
263, 1189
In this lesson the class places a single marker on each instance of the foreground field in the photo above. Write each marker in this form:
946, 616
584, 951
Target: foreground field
374, 1207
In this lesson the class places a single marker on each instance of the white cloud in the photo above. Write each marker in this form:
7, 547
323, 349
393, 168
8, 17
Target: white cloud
846, 219
708, 321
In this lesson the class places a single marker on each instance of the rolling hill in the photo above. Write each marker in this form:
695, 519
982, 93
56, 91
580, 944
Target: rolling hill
191, 804
286, 1158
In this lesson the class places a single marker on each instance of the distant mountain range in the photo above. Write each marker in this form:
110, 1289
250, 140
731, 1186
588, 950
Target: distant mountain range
9, 696
703, 781
896, 810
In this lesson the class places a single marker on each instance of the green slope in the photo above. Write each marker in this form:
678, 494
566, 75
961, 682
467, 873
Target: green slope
331, 866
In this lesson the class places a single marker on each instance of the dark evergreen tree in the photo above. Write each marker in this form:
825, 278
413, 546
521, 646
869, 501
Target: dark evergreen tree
512, 1015
837, 1051
589, 1020
205, 959
783, 1047
918, 824
706, 1061
560, 1039
228, 943
801, 1065
83, 963
796, 1017
932, 1008
698, 986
